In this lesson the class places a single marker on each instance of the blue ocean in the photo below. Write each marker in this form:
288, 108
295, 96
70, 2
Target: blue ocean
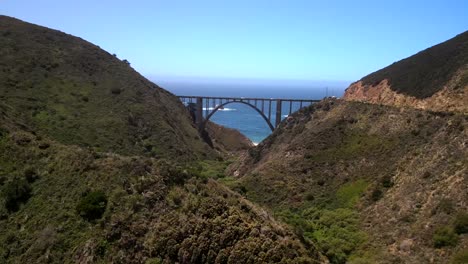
242, 117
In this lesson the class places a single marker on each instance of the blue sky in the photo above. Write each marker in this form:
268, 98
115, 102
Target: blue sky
287, 39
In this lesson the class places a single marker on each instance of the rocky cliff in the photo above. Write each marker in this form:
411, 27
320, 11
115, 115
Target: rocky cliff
434, 79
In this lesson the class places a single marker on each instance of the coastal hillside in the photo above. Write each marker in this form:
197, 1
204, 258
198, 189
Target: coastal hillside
227, 140
366, 183
434, 79
99, 165
76, 93
67, 204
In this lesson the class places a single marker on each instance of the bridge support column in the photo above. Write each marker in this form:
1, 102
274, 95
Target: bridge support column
278, 112
199, 114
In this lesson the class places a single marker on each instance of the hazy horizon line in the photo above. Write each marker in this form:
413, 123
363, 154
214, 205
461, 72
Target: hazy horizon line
243, 80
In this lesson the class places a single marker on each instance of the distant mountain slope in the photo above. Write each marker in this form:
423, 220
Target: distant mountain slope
436, 78
365, 183
73, 91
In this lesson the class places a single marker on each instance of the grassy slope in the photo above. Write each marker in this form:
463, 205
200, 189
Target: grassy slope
360, 179
79, 94
157, 212
426, 72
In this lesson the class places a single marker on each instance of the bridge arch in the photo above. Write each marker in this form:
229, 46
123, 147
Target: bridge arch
195, 105
242, 102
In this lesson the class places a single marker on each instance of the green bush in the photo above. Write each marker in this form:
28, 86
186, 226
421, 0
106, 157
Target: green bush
445, 206
30, 175
387, 182
336, 232
310, 196
461, 223
255, 154
460, 257
376, 195
14, 193
116, 90
92, 205
173, 174
444, 236
348, 194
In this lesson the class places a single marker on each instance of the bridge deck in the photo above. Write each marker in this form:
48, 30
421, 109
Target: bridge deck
248, 98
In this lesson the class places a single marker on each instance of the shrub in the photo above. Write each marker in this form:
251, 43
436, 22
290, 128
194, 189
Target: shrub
461, 223
255, 154
460, 257
310, 196
348, 194
387, 182
376, 195
30, 175
336, 232
92, 205
14, 193
445, 206
153, 261
173, 174
102, 247
444, 236
116, 90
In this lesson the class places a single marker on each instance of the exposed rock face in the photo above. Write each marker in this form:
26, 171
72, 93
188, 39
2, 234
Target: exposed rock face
434, 79
447, 99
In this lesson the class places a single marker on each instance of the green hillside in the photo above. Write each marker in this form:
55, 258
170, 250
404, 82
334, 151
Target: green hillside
65, 204
76, 93
99, 165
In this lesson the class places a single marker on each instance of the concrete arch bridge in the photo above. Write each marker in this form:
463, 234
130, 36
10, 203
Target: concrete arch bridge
204, 107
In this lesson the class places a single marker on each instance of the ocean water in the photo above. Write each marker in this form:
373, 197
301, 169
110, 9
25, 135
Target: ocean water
242, 117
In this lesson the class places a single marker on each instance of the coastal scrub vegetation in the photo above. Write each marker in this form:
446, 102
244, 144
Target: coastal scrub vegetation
92, 205
445, 236
187, 216
380, 171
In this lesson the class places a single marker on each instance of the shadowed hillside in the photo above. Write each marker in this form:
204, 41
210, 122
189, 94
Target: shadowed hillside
76, 93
